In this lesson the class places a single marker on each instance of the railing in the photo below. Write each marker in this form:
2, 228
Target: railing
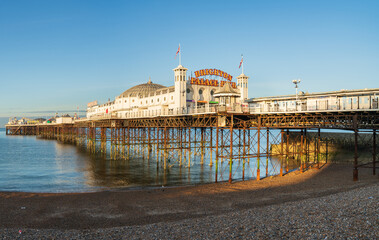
238, 108
304, 106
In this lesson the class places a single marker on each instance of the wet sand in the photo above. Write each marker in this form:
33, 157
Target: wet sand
122, 208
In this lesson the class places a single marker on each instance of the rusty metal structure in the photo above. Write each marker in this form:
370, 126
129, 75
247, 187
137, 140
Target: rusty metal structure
228, 140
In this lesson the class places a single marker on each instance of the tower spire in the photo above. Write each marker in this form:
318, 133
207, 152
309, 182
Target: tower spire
241, 63
180, 57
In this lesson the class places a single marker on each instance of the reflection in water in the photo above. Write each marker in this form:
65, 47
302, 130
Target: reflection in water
37, 165
147, 170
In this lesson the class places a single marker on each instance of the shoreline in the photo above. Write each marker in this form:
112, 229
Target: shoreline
78, 212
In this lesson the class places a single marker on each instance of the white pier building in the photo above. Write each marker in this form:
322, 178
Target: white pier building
202, 93
213, 90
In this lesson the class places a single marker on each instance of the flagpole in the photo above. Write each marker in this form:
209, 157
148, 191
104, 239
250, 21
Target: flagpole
180, 55
242, 63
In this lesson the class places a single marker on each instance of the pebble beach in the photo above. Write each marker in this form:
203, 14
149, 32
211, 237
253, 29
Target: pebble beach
324, 211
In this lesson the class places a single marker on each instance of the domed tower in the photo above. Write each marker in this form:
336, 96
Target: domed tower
141, 90
180, 74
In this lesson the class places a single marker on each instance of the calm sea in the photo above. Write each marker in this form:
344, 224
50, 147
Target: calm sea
30, 164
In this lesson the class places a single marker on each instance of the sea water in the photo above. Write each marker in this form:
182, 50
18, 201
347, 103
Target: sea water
31, 164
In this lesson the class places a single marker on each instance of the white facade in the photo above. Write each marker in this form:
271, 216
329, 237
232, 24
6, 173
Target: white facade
64, 120
344, 100
187, 94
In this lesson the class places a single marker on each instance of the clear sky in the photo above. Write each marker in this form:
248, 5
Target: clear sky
57, 55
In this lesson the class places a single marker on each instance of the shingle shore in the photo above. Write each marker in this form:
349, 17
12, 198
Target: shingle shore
347, 215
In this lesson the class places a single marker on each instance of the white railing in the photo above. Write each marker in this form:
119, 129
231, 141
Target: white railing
304, 106
237, 108
301, 106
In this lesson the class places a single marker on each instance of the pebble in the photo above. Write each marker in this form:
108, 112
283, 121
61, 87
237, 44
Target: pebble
346, 215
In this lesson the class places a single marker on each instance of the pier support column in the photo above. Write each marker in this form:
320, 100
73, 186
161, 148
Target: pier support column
202, 145
281, 152
180, 136
189, 147
267, 149
318, 147
374, 152
287, 150
301, 150
103, 140
149, 149
211, 147
217, 154
355, 171
165, 148
244, 152
231, 151
128, 142
258, 149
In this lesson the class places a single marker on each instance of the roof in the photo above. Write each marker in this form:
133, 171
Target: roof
141, 89
226, 90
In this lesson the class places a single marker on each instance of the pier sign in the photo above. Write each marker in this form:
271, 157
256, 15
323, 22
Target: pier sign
212, 82
91, 104
216, 72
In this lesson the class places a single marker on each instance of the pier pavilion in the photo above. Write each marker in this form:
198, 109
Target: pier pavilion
189, 95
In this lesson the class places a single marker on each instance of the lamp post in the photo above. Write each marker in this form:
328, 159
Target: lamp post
296, 81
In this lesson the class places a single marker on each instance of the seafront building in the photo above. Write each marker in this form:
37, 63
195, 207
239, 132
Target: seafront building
208, 89
213, 90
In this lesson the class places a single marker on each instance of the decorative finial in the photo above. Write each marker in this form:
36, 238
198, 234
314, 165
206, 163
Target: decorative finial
149, 82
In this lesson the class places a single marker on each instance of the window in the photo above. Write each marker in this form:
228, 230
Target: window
164, 99
212, 92
158, 100
200, 91
152, 100
172, 97
188, 90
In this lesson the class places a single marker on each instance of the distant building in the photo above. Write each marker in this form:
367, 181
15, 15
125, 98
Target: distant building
64, 119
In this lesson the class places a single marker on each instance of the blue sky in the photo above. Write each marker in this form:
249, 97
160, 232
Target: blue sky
57, 55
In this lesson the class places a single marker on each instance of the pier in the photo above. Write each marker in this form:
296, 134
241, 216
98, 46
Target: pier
211, 117
224, 136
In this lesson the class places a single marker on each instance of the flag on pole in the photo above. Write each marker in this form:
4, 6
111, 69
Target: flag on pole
177, 51
241, 62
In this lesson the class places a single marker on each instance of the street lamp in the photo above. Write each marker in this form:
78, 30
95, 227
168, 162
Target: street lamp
296, 81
